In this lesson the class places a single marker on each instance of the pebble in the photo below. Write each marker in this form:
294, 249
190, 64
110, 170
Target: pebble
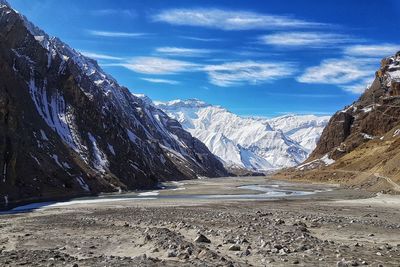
234, 248
202, 239
171, 253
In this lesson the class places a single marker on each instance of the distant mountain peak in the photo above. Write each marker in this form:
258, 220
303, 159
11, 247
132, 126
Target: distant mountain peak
188, 103
251, 143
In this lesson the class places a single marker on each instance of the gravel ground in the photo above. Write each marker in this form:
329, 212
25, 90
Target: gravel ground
315, 230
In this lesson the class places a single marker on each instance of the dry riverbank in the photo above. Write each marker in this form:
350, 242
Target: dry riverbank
163, 228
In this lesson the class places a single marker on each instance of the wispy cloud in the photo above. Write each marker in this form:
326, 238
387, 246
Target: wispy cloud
223, 75
347, 72
378, 50
112, 12
201, 39
117, 34
157, 65
359, 87
305, 39
99, 56
288, 95
230, 20
339, 71
354, 72
156, 80
184, 52
247, 72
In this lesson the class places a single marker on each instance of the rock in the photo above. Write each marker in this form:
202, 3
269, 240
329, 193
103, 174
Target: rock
244, 240
296, 262
147, 237
171, 253
202, 239
234, 248
189, 251
246, 253
342, 263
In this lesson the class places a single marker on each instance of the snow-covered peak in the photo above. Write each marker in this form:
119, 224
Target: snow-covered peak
55, 47
304, 129
4, 3
189, 103
288, 123
146, 100
251, 143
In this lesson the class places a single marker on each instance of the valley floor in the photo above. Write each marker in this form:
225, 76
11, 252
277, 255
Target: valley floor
162, 228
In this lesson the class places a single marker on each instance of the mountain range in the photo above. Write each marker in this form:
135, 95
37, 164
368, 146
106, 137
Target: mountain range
256, 144
67, 128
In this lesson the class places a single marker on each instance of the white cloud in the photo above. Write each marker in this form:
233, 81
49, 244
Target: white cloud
379, 50
155, 80
157, 65
230, 20
339, 71
359, 87
354, 72
109, 12
99, 56
250, 72
201, 39
224, 75
117, 34
184, 52
300, 39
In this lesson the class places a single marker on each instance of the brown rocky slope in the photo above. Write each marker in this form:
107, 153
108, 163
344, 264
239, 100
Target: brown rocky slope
360, 146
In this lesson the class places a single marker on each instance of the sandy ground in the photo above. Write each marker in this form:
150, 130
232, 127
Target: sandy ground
179, 226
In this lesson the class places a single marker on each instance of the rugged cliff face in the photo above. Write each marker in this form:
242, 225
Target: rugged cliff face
361, 144
375, 113
67, 128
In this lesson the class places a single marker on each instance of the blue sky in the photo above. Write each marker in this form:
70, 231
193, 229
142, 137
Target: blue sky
261, 58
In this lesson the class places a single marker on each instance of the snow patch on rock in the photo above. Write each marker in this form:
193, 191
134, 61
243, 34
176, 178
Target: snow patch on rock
83, 184
100, 160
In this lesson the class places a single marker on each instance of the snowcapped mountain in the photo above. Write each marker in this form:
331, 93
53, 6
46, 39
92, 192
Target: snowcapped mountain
250, 143
67, 128
303, 129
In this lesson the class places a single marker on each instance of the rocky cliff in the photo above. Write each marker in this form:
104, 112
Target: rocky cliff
67, 128
375, 113
361, 144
